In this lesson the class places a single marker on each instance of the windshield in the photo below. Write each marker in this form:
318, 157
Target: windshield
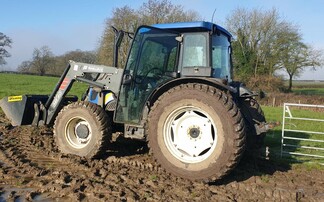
221, 52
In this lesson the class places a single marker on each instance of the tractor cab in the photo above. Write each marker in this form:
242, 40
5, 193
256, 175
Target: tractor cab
166, 53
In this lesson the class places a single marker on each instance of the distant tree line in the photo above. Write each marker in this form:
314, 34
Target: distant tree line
153, 11
262, 44
44, 62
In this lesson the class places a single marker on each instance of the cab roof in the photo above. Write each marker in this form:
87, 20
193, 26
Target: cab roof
192, 27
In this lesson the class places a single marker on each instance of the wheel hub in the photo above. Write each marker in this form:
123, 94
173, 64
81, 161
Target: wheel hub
82, 131
194, 132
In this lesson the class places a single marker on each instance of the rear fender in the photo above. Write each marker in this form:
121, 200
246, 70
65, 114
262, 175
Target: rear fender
217, 83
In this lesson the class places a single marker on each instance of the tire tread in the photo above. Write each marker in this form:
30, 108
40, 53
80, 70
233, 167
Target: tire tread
103, 121
232, 109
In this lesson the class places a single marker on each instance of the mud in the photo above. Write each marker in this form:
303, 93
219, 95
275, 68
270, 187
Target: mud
32, 169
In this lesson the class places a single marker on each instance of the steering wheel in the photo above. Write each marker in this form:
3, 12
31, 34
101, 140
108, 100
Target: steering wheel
158, 75
160, 72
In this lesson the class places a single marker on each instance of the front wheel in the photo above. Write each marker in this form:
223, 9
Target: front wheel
83, 129
196, 132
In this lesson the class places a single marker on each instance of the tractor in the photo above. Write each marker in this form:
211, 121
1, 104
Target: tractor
176, 92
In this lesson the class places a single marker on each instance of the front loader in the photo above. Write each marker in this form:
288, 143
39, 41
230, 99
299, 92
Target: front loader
175, 92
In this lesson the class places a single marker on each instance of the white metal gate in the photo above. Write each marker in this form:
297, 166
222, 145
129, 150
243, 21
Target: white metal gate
303, 135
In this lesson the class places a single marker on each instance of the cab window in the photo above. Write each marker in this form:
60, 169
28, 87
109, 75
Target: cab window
195, 50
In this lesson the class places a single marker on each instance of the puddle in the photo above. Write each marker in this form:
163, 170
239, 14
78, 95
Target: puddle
15, 194
48, 197
20, 194
2, 164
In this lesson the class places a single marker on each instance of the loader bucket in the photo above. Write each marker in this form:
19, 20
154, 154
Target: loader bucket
20, 109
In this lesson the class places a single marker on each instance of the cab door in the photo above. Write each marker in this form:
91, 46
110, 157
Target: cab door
153, 54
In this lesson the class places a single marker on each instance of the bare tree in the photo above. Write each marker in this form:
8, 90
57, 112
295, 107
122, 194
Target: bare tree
264, 43
5, 41
124, 18
154, 12
255, 33
128, 19
42, 60
60, 62
295, 57
25, 67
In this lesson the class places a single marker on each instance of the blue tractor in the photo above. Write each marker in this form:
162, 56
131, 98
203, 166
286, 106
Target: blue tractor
176, 92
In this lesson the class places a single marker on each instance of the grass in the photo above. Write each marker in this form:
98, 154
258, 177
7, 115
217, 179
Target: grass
273, 139
18, 84
307, 87
307, 84
308, 91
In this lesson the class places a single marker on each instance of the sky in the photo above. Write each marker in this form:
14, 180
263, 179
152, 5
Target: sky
66, 25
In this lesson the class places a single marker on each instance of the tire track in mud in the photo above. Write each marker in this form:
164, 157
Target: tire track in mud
31, 150
33, 169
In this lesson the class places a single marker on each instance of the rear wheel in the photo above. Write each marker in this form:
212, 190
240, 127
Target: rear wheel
254, 117
196, 132
83, 129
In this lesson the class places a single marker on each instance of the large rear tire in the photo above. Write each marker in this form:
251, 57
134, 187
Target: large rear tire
254, 117
195, 131
83, 129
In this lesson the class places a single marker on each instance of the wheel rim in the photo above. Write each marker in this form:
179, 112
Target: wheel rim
78, 132
190, 134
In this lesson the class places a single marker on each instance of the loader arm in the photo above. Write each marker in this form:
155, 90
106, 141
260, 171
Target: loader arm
110, 80
43, 109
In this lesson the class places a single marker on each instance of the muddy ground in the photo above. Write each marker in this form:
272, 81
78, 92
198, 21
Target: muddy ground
32, 169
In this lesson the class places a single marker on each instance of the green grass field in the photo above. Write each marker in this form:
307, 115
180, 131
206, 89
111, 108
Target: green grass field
308, 87
274, 136
309, 91
16, 84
